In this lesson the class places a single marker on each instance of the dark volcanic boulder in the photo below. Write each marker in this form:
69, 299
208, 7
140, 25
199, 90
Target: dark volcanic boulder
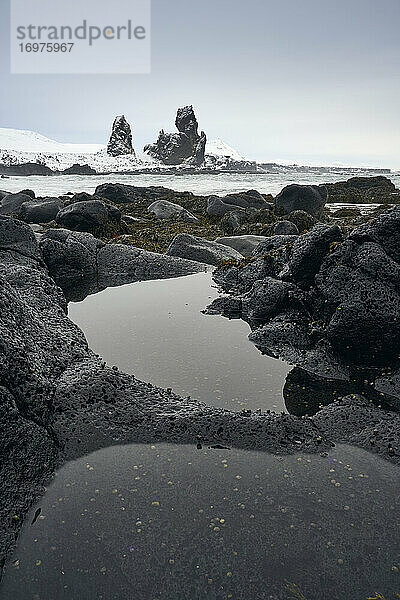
164, 210
115, 192
367, 332
285, 228
266, 299
233, 219
42, 210
18, 237
245, 244
249, 199
120, 142
70, 255
201, 250
3, 193
302, 219
77, 169
11, 203
81, 197
28, 192
310, 198
217, 205
308, 252
273, 243
358, 287
385, 230
87, 216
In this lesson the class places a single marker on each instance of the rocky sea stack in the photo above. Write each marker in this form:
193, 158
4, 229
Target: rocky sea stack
120, 142
187, 145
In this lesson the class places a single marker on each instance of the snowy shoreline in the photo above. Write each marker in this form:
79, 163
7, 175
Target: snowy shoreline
20, 148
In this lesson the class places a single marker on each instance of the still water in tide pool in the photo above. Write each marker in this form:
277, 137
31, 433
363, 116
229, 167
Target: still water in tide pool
169, 522
155, 330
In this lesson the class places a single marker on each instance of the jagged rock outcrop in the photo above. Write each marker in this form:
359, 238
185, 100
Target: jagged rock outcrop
348, 303
120, 142
266, 299
170, 148
187, 145
217, 207
358, 287
309, 251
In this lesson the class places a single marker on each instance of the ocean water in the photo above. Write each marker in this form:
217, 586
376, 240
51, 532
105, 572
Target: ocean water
220, 184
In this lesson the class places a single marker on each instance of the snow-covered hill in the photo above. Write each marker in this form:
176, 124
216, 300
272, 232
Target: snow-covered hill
30, 141
219, 148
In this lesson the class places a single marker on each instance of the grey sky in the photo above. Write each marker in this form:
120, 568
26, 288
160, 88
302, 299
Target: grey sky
311, 80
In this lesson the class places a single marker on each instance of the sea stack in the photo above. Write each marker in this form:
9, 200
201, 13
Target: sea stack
120, 142
177, 148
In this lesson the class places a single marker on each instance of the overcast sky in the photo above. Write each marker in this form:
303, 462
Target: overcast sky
309, 81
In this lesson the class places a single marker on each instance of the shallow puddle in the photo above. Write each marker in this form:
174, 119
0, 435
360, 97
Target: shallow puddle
172, 522
155, 330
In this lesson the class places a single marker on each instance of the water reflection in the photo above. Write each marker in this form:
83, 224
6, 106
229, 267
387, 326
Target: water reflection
156, 330
305, 392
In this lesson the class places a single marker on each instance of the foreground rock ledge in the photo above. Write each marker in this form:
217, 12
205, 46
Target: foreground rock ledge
58, 400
